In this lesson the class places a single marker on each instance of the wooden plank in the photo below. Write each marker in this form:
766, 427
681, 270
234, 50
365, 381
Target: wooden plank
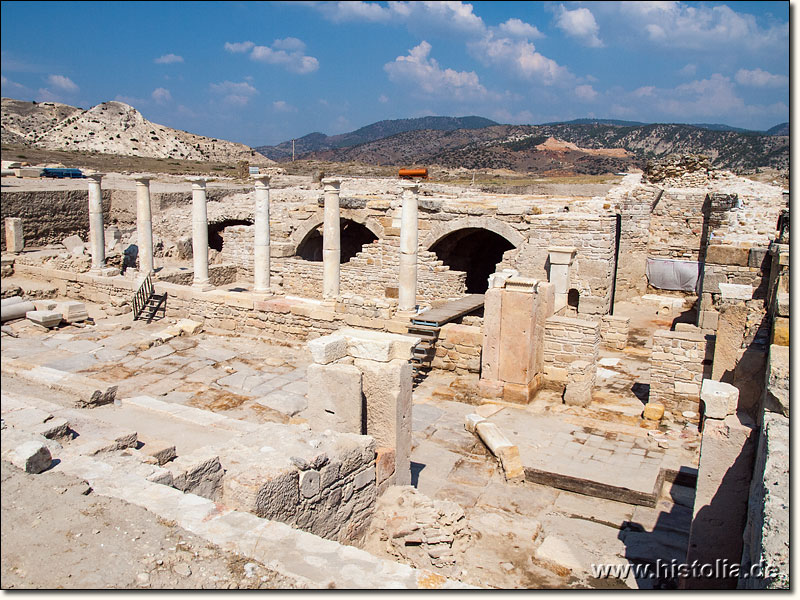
450, 311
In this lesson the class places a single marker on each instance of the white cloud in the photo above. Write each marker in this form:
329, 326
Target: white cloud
689, 70
520, 29
646, 91
523, 117
761, 78
287, 53
65, 84
518, 57
238, 46
7, 83
168, 59
383, 98
586, 93
420, 70
283, 106
697, 26
580, 24
237, 94
132, 100
353, 11
161, 95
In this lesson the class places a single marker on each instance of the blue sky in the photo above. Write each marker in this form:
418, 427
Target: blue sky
264, 72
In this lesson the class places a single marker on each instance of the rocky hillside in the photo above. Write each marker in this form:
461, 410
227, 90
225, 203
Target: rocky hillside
111, 128
519, 147
318, 142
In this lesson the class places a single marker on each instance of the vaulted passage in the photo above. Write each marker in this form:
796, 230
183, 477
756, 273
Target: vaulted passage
474, 251
215, 231
354, 236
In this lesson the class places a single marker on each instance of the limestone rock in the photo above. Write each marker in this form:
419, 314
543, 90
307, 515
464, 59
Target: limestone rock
31, 457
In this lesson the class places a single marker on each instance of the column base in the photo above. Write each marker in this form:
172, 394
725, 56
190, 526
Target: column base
202, 286
405, 314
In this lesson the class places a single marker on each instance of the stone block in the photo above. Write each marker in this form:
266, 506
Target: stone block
327, 349
162, 452
783, 305
45, 318
32, 457
377, 345
189, 327
727, 255
720, 399
709, 319
387, 389
309, 483
736, 291
472, 421
780, 331
15, 310
653, 411
777, 392
465, 335
687, 389
335, 396
757, 257
74, 244
73, 312
384, 464
15, 239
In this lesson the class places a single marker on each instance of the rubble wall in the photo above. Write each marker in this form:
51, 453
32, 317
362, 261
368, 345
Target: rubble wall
567, 340
677, 371
49, 217
458, 349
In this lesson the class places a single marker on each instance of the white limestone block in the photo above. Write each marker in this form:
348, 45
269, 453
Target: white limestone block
328, 349
720, 399
736, 291
45, 318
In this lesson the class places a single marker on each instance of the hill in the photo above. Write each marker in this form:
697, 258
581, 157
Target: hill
317, 142
517, 147
111, 128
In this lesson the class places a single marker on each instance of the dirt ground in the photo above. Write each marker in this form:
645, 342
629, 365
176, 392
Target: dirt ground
105, 543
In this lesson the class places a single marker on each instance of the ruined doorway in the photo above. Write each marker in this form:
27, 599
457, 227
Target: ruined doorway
353, 237
215, 230
475, 251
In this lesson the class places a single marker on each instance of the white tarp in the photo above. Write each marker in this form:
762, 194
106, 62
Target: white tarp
666, 274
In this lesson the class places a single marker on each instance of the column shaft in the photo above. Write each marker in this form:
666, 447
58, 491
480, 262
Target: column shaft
96, 233
261, 252
144, 225
409, 239
331, 242
199, 232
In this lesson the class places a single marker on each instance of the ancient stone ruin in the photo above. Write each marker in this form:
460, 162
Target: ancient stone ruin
380, 383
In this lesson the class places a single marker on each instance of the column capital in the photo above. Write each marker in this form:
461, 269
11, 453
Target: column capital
95, 176
142, 178
197, 182
561, 255
409, 186
261, 179
331, 183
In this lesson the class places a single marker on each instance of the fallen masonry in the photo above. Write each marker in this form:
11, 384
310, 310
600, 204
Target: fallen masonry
385, 384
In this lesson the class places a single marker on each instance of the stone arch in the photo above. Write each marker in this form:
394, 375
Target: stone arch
444, 228
301, 233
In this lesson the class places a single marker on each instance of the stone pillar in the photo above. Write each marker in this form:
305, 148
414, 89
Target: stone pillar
144, 223
261, 244
199, 233
331, 243
561, 258
96, 233
409, 241
580, 383
15, 239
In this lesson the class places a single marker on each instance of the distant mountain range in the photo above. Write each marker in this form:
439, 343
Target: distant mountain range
579, 146
315, 142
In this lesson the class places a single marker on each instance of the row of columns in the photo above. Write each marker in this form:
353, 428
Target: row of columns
331, 243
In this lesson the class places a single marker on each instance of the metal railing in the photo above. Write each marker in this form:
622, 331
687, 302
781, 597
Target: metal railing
142, 296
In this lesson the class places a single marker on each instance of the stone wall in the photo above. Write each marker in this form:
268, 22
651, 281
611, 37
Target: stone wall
567, 340
614, 331
458, 349
634, 208
49, 217
677, 371
591, 273
676, 225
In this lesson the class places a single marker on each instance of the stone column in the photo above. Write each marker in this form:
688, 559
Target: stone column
261, 247
561, 258
199, 233
144, 223
15, 239
331, 243
409, 240
96, 233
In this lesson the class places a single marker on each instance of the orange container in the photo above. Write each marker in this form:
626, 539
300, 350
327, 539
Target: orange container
411, 173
